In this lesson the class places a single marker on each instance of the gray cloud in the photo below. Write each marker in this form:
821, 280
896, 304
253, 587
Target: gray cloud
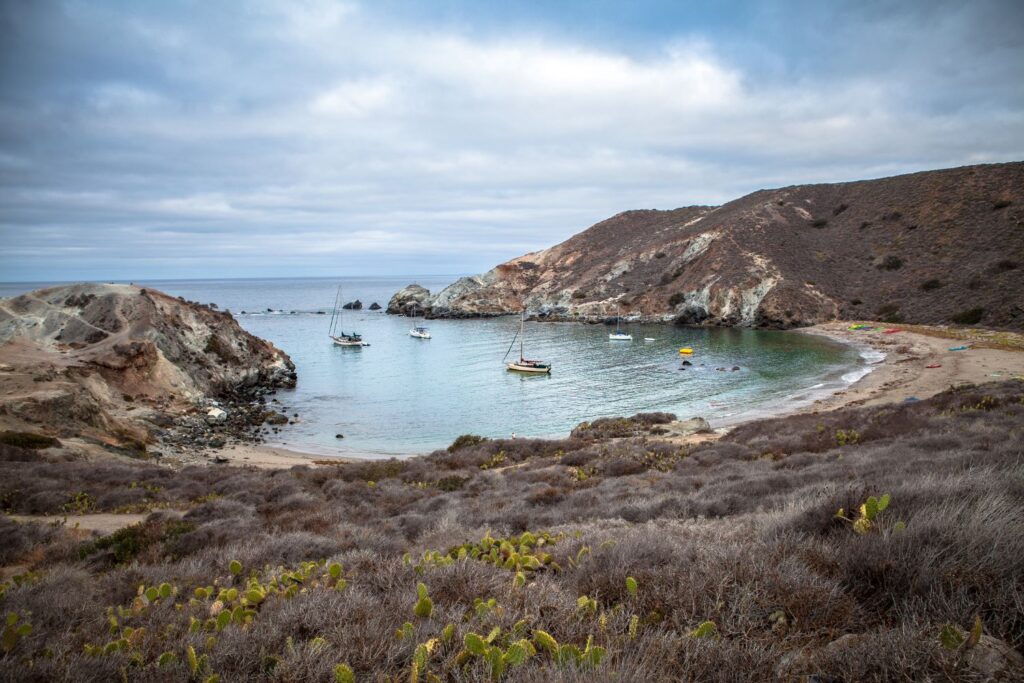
197, 139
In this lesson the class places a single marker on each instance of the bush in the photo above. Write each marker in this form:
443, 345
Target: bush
971, 316
28, 440
1001, 204
819, 222
931, 285
676, 299
465, 441
891, 263
1004, 265
839, 209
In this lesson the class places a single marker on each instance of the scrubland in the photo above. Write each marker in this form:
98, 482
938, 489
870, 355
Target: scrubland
607, 556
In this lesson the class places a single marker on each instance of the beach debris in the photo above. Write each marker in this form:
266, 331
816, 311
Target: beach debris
860, 326
959, 348
892, 330
934, 365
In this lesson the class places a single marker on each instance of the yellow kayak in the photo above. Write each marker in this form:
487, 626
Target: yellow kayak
687, 351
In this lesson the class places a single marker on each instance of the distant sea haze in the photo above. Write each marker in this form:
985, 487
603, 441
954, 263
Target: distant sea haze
403, 395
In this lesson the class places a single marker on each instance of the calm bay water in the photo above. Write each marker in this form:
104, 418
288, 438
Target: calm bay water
403, 395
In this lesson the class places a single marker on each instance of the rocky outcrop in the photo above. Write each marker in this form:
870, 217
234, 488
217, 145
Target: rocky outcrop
411, 301
934, 247
111, 362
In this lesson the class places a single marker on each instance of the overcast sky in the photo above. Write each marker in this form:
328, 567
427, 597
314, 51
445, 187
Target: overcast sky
229, 139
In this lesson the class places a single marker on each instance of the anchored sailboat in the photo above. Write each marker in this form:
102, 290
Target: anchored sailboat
525, 364
420, 332
618, 334
342, 338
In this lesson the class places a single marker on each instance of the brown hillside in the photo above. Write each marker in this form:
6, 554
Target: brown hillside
933, 247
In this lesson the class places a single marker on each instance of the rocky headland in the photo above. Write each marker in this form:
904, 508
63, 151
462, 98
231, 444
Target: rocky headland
936, 247
124, 369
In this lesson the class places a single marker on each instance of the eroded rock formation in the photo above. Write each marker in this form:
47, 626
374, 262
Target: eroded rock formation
111, 362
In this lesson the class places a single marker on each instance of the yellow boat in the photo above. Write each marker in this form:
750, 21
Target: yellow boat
686, 351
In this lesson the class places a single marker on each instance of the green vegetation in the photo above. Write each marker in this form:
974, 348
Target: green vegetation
465, 441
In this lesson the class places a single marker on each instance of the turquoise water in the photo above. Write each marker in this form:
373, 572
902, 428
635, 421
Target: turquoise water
403, 395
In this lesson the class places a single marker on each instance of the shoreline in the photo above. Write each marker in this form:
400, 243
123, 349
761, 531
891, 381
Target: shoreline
900, 374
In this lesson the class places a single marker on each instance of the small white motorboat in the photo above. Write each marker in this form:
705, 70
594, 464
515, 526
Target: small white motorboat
420, 332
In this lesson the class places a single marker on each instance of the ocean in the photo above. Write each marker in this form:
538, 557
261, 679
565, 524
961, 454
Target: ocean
402, 395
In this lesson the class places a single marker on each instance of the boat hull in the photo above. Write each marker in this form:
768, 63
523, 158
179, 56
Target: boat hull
338, 341
418, 335
532, 369
620, 337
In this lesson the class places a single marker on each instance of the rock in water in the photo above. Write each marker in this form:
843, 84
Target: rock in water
375, 306
356, 305
409, 301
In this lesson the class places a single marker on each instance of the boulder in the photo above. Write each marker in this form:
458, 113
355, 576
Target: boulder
375, 306
356, 305
411, 301
695, 425
215, 416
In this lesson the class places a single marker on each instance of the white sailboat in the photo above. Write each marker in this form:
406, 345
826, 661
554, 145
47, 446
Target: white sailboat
525, 364
343, 338
420, 332
618, 334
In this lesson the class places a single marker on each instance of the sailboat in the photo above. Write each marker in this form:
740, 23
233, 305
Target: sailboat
420, 332
618, 334
342, 338
525, 364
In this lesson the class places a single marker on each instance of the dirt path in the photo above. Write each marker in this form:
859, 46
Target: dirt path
105, 523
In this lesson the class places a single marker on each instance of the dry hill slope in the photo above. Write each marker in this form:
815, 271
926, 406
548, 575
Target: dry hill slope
932, 247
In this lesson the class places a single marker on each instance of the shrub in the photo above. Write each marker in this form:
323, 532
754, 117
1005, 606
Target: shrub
819, 222
1004, 265
839, 209
660, 254
931, 285
676, 299
465, 441
28, 440
970, 316
1001, 204
891, 262
578, 294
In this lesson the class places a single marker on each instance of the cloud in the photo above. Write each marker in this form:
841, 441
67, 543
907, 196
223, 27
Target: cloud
314, 137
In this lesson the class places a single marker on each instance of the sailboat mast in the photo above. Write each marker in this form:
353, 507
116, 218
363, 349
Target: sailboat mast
522, 324
334, 311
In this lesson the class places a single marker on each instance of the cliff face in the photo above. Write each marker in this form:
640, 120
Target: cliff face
107, 361
933, 247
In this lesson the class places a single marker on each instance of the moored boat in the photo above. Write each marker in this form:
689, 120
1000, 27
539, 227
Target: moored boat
420, 332
525, 364
347, 339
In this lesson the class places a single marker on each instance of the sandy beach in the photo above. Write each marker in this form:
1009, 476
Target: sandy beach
918, 362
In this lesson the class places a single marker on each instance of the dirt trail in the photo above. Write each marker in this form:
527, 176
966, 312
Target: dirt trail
105, 523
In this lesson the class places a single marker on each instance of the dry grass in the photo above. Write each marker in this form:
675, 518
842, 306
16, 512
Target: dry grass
742, 533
